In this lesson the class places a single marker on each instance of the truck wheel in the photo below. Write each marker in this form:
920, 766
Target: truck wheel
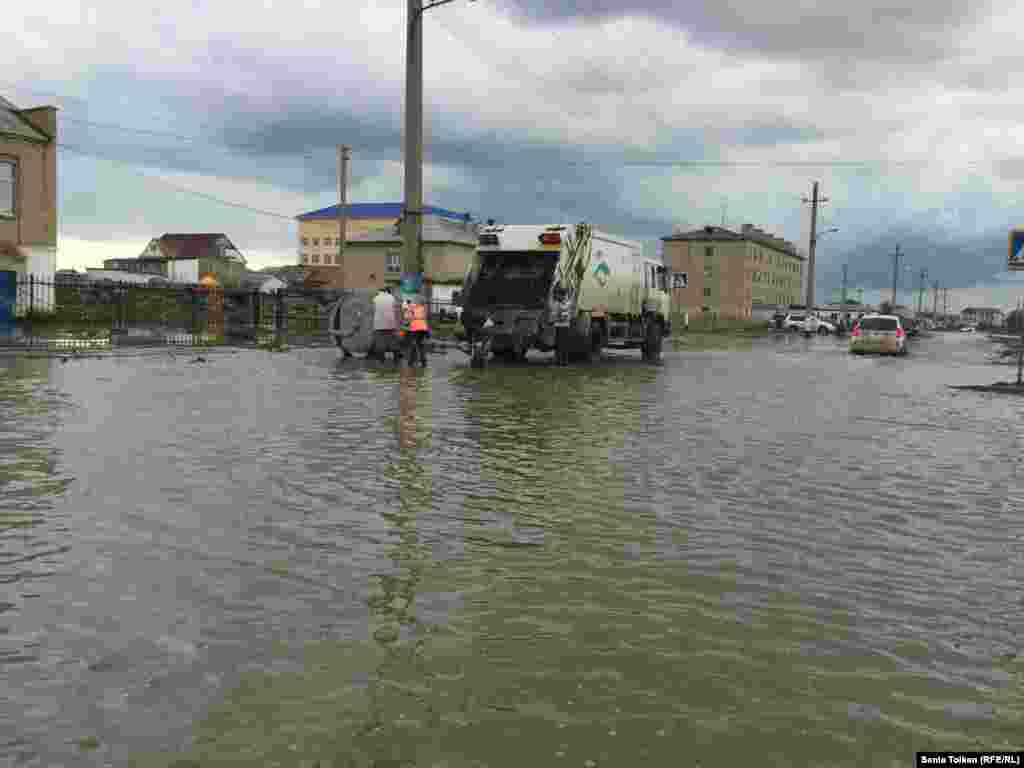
823, 331
652, 342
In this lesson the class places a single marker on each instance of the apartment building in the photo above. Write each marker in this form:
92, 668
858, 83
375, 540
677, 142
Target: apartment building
730, 272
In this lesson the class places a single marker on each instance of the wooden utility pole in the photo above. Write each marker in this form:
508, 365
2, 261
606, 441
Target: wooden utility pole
343, 158
815, 201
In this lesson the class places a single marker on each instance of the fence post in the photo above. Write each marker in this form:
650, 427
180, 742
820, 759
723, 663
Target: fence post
31, 295
255, 313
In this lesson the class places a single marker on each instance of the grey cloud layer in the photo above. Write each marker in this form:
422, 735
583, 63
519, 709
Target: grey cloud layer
875, 28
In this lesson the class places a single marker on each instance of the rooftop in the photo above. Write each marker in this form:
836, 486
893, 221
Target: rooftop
193, 245
376, 211
748, 233
13, 124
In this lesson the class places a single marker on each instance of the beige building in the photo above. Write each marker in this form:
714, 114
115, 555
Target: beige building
28, 196
374, 259
728, 272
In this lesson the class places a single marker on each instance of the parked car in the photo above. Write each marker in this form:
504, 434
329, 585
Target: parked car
968, 329
816, 325
794, 321
883, 334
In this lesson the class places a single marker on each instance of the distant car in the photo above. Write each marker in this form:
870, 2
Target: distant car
816, 325
794, 322
883, 334
968, 329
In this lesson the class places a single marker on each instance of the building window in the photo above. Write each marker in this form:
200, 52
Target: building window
8, 176
305, 241
316, 241
709, 251
393, 262
707, 291
305, 259
316, 258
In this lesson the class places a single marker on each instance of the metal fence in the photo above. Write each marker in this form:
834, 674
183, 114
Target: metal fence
60, 312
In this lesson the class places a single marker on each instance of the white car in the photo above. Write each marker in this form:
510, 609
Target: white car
883, 334
794, 321
799, 321
816, 325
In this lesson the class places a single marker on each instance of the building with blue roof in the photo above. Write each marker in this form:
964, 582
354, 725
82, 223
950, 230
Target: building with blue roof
390, 211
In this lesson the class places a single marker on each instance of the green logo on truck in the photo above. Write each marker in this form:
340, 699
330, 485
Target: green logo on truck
601, 273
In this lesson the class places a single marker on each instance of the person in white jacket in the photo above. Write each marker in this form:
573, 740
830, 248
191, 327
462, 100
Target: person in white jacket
385, 324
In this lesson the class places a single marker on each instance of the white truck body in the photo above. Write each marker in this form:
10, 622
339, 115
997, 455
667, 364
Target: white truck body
618, 295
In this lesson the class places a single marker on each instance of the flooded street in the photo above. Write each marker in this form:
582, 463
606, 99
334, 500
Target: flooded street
781, 553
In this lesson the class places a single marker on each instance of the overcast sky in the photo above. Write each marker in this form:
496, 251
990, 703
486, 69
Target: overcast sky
638, 115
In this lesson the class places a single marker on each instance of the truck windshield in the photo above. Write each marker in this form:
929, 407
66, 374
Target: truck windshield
516, 278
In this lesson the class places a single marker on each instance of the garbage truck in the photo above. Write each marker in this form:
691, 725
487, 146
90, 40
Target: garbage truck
617, 297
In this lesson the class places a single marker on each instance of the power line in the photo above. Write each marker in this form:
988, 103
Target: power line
186, 190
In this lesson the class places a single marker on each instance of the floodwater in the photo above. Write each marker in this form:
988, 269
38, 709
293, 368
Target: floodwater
781, 554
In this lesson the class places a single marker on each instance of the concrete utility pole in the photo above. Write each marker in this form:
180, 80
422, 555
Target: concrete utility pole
945, 302
412, 216
844, 315
920, 295
412, 265
935, 300
343, 156
815, 201
895, 275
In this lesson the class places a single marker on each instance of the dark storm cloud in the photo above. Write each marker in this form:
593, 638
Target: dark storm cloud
949, 258
519, 180
924, 30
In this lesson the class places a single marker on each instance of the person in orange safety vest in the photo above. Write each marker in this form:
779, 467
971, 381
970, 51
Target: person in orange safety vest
414, 316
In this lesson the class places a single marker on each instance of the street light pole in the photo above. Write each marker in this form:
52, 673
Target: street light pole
895, 275
815, 201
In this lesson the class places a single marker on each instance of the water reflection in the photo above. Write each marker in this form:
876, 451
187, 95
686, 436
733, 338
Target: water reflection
392, 601
33, 539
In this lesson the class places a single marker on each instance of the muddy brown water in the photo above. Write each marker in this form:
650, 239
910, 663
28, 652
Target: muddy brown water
776, 552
